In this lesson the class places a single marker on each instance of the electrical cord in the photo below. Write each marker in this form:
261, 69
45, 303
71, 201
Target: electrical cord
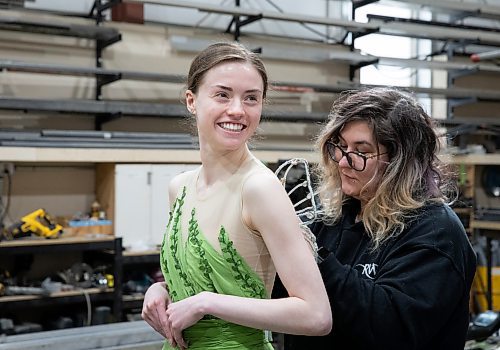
89, 306
7, 205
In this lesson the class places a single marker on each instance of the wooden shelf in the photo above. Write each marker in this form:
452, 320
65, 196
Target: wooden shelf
97, 155
14, 302
64, 294
54, 241
486, 225
133, 301
473, 159
139, 257
111, 246
130, 297
45, 246
134, 253
462, 210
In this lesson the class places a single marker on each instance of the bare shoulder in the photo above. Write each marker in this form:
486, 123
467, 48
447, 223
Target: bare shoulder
177, 181
263, 194
261, 185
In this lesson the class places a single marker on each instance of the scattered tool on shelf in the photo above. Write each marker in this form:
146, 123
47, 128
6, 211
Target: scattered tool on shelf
37, 223
7, 327
483, 331
82, 275
9, 286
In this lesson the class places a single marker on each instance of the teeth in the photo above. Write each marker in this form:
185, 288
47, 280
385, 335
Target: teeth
231, 126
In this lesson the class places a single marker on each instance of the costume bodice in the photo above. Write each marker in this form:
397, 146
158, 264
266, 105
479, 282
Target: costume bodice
208, 247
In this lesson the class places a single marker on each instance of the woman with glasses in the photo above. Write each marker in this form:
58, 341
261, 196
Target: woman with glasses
395, 259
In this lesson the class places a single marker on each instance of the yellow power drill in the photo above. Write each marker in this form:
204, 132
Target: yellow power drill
38, 223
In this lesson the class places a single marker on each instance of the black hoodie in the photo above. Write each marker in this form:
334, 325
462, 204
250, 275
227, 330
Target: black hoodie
411, 293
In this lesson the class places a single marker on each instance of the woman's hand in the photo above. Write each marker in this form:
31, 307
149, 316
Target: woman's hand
184, 314
156, 302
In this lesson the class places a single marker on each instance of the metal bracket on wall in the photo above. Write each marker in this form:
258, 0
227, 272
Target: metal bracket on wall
354, 67
456, 102
102, 80
461, 130
457, 73
102, 118
96, 12
355, 35
238, 22
99, 6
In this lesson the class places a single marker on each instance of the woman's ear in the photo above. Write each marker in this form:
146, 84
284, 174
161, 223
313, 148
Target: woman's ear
190, 102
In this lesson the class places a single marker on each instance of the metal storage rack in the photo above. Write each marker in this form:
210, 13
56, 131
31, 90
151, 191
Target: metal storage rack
238, 17
111, 246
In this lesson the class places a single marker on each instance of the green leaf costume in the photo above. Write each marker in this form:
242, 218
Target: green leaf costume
207, 247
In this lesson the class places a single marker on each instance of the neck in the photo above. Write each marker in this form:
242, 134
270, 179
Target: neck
218, 166
359, 217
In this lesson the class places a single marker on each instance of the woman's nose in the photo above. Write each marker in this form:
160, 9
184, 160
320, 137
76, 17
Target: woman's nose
236, 107
344, 162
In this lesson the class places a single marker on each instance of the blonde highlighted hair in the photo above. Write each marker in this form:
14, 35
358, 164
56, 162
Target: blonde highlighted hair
414, 175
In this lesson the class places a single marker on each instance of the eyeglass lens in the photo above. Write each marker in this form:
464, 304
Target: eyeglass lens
355, 160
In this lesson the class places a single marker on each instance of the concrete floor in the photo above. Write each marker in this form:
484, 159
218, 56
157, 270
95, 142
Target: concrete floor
114, 336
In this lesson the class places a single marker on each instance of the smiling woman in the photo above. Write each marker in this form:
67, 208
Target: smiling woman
227, 104
232, 226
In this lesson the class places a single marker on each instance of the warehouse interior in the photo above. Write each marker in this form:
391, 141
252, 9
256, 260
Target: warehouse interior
93, 126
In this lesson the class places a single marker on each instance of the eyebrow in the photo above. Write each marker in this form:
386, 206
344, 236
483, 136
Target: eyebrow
223, 87
358, 143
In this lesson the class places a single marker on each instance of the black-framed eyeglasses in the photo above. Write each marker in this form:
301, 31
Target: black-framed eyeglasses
356, 160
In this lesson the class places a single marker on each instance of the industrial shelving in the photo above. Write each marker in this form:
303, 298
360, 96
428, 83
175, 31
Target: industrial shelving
53, 248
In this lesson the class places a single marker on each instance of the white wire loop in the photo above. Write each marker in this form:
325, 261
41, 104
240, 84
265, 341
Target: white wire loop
311, 212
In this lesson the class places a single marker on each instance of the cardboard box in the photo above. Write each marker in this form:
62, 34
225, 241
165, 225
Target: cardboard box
88, 227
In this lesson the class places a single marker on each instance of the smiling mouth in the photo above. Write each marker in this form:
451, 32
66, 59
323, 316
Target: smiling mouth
348, 177
232, 126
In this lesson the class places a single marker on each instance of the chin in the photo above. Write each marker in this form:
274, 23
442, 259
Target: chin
349, 191
235, 143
